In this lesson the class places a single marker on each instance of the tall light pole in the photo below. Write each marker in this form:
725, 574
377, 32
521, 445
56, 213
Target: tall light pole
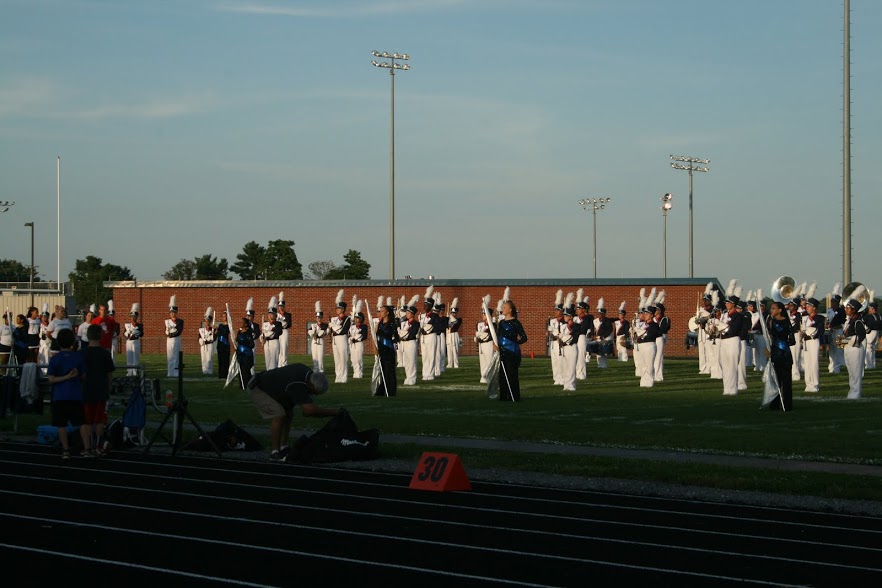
31, 283
846, 147
594, 204
690, 168
666, 206
391, 66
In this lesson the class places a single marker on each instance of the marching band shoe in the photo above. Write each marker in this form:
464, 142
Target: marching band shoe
730, 394
811, 389
483, 382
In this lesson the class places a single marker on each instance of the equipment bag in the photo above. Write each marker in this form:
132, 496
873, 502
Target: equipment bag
339, 440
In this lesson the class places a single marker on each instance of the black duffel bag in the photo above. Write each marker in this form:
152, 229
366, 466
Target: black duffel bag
339, 440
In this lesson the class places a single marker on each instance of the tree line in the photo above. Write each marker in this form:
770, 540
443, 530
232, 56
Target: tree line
275, 261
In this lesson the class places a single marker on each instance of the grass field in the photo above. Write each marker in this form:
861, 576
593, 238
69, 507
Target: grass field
687, 412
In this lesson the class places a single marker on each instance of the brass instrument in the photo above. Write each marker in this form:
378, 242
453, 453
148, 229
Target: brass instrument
783, 289
862, 295
841, 341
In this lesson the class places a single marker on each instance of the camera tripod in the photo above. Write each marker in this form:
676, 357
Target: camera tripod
179, 409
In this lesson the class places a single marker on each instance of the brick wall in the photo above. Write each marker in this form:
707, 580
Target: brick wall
534, 299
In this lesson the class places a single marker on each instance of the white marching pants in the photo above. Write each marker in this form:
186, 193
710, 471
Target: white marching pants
870, 360
133, 355
556, 360
811, 364
172, 348
759, 353
569, 359
581, 367
317, 349
713, 359
659, 364
796, 352
647, 353
730, 349
453, 343
356, 357
485, 354
43, 354
742, 364
429, 351
409, 359
270, 354
283, 348
854, 363
441, 356
206, 354
837, 355
341, 358
621, 350
703, 363
638, 361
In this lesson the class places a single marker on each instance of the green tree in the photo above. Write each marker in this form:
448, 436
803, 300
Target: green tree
319, 269
89, 276
15, 271
250, 263
210, 268
281, 261
355, 268
181, 271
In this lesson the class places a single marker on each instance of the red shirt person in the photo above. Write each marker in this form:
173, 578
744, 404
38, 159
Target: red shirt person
107, 324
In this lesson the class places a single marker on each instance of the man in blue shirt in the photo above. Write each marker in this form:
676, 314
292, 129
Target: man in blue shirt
67, 369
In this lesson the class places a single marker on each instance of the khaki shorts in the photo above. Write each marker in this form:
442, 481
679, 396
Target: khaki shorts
267, 406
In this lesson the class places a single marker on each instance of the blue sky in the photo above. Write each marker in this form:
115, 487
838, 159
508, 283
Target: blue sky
192, 127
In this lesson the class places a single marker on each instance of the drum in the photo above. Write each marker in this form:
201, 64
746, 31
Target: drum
606, 348
628, 343
691, 340
592, 347
693, 324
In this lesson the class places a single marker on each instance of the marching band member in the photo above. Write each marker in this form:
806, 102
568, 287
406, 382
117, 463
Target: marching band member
174, 327
245, 347
387, 339
664, 325
758, 340
582, 342
603, 334
781, 335
855, 332
835, 321
714, 325
441, 352
317, 332
454, 341
812, 334
645, 335
132, 333
703, 317
270, 331
222, 335
33, 335
358, 332
252, 324
401, 318
638, 325
623, 332
730, 341
874, 323
553, 338
511, 336
408, 333
747, 304
795, 322
284, 317
741, 308
206, 343
568, 339
428, 335
339, 326
484, 341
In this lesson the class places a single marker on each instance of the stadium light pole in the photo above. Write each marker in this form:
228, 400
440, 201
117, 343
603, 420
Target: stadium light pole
846, 145
594, 204
391, 66
690, 168
31, 283
666, 206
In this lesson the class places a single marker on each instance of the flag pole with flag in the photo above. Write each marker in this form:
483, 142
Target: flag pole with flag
234, 359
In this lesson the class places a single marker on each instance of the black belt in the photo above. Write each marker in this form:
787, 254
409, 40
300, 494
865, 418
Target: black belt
812, 338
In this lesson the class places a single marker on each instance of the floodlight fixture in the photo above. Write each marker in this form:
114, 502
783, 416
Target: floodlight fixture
594, 204
690, 168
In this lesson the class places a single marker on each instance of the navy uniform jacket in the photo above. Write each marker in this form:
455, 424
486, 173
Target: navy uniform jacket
605, 329
413, 329
838, 319
817, 322
285, 318
856, 327
664, 325
652, 333
179, 323
736, 320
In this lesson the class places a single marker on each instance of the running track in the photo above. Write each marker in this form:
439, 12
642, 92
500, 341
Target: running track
206, 521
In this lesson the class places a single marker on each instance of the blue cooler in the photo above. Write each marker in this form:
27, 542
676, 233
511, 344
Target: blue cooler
48, 435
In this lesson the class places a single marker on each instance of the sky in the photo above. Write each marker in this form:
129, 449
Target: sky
193, 127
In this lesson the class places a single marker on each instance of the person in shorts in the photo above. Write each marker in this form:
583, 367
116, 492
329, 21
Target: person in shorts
66, 371
276, 392
99, 375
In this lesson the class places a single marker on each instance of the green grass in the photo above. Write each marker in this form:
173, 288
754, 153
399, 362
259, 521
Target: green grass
687, 412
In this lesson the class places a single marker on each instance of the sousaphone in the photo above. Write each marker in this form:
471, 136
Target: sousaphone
783, 289
863, 296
